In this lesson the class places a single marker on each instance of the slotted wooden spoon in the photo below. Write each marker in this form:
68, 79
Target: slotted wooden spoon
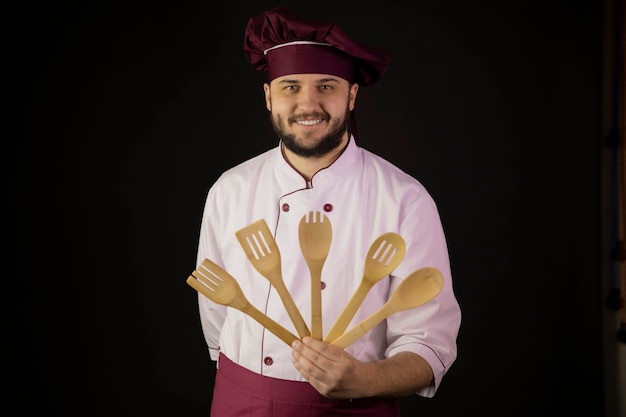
212, 281
384, 255
315, 234
262, 251
418, 288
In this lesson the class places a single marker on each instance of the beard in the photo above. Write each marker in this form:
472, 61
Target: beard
329, 142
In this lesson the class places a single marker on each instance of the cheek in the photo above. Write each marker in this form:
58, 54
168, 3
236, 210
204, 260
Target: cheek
279, 107
338, 109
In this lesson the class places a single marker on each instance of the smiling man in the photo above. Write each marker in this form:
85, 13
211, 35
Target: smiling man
310, 114
314, 73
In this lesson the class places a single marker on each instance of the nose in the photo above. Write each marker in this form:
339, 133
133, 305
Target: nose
309, 98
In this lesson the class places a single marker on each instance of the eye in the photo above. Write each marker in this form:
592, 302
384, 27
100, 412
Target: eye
325, 87
291, 87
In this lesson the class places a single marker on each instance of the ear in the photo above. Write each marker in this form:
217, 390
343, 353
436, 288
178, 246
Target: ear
354, 89
268, 97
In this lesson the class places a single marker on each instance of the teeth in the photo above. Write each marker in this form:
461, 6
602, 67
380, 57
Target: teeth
308, 122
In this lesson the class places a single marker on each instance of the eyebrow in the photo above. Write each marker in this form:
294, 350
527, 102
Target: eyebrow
319, 81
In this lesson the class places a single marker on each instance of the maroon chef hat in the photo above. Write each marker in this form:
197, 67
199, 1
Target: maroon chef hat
278, 42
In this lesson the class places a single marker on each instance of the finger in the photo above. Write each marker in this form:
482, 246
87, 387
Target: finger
332, 353
313, 358
309, 363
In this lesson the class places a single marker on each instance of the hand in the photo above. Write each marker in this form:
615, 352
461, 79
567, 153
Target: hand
333, 372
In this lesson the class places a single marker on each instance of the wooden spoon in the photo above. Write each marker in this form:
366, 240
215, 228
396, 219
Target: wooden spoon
315, 234
416, 289
384, 255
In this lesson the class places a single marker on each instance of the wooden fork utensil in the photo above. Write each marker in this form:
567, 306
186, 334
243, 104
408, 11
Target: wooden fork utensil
212, 281
315, 234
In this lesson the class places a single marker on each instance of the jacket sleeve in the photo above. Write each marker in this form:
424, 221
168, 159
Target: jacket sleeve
431, 329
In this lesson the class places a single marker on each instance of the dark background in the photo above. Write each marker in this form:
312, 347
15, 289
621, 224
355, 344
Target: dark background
126, 112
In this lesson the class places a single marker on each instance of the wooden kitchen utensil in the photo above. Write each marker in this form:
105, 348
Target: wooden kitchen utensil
315, 234
418, 288
262, 251
384, 255
212, 281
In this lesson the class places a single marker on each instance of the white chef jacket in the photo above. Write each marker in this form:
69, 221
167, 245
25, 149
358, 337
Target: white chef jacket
363, 197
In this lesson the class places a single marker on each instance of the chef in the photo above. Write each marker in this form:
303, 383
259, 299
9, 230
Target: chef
314, 73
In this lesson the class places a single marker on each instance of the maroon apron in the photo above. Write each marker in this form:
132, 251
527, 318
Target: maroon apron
239, 392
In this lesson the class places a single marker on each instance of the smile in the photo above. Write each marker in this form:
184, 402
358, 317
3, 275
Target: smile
309, 122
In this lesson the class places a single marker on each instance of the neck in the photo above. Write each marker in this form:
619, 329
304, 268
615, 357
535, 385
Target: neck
307, 166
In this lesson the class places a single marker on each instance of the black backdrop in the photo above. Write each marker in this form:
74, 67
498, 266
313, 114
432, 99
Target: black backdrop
126, 112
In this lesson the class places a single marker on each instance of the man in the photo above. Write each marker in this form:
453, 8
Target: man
314, 74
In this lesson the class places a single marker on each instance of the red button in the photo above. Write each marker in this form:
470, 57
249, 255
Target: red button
285, 207
323, 285
328, 207
268, 361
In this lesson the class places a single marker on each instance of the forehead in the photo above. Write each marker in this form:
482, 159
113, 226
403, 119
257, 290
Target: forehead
309, 78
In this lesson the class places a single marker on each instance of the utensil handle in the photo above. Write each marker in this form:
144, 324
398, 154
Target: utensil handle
348, 312
292, 309
363, 327
316, 304
282, 333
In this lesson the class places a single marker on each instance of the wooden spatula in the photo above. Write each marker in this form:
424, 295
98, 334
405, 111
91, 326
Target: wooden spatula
262, 251
212, 281
315, 234
418, 288
384, 255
